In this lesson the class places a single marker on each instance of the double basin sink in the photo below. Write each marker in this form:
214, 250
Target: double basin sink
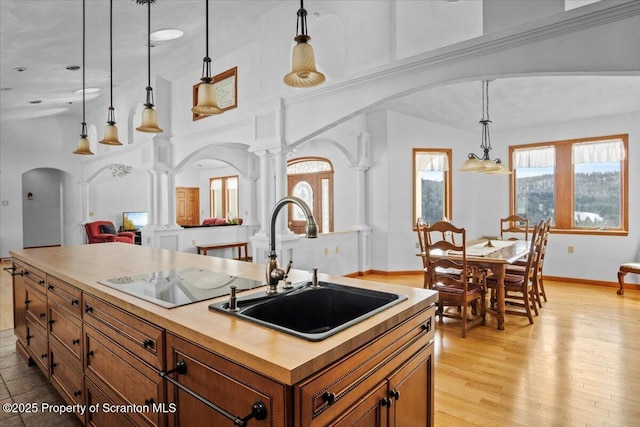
311, 312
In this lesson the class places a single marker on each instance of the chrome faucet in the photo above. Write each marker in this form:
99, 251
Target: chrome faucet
274, 272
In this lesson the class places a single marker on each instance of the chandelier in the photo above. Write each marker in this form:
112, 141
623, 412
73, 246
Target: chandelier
484, 164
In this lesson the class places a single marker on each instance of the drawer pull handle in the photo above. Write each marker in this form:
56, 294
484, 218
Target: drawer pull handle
43, 356
89, 354
27, 301
26, 272
88, 309
147, 343
77, 393
330, 398
12, 271
76, 341
385, 402
41, 282
51, 287
52, 321
258, 409
426, 327
43, 315
74, 302
394, 394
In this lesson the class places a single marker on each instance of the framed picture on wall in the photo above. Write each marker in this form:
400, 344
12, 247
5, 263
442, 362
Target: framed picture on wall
226, 84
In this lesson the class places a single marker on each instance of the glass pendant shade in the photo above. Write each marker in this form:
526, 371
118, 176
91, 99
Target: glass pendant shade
500, 170
303, 65
83, 146
489, 165
207, 100
472, 164
149, 121
110, 135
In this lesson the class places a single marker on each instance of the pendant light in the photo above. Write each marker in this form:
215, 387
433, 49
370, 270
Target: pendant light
475, 163
83, 143
303, 61
207, 103
149, 116
111, 131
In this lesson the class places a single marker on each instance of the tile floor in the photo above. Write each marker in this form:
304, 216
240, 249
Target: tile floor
27, 384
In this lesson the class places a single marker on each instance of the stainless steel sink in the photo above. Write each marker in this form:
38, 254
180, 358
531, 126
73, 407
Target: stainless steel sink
312, 312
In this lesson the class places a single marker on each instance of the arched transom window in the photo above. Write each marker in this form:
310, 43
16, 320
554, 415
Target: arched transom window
311, 179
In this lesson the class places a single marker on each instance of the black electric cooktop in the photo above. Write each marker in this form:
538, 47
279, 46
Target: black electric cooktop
173, 288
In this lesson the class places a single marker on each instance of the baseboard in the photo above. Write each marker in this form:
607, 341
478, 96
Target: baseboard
591, 282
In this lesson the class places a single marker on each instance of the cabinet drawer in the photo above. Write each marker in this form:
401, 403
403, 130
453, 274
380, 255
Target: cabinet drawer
67, 330
65, 376
36, 305
132, 381
224, 383
64, 295
138, 336
102, 418
37, 344
335, 389
34, 277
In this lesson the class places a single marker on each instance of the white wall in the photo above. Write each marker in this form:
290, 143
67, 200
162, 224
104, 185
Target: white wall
109, 196
480, 200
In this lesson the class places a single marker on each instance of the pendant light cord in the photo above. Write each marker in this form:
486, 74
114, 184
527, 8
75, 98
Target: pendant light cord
148, 45
111, 50
84, 124
301, 23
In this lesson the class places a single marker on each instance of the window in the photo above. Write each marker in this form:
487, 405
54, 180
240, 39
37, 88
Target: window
580, 183
431, 184
223, 196
311, 179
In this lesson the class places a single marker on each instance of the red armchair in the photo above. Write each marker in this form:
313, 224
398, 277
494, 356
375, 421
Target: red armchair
105, 231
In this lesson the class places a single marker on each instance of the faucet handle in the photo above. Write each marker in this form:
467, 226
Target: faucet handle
314, 278
233, 301
287, 283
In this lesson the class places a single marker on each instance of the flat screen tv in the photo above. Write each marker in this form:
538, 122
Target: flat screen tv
134, 220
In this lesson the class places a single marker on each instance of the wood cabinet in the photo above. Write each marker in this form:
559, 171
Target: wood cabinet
123, 358
95, 352
400, 359
217, 380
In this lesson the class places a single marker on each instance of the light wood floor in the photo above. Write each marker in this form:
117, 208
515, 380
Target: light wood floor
577, 365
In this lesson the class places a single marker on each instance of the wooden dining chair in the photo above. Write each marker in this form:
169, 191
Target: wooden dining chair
514, 224
464, 290
421, 225
520, 297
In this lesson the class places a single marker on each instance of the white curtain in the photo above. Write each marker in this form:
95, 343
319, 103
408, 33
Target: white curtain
431, 162
539, 157
598, 152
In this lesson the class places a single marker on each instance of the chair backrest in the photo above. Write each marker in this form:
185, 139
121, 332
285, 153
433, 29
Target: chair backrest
514, 224
545, 230
443, 236
421, 226
535, 251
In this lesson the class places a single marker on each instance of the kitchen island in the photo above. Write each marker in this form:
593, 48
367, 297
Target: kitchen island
137, 363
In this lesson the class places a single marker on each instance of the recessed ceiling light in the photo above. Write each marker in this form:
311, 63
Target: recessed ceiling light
166, 35
20, 69
87, 90
73, 67
4, 89
37, 101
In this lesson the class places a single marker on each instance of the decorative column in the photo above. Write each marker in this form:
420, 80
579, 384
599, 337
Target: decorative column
364, 230
171, 199
151, 198
280, 166
266, 175
158, 192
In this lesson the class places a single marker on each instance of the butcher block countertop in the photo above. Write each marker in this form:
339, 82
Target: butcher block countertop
277, 355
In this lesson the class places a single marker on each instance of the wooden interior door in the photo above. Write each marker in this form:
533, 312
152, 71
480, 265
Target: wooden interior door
187, 205
305, 187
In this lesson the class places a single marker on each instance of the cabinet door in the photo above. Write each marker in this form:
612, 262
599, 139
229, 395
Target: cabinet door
229, 386
20, 299
370, 411
411, 391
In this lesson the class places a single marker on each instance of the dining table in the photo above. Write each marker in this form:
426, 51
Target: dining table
495, 255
